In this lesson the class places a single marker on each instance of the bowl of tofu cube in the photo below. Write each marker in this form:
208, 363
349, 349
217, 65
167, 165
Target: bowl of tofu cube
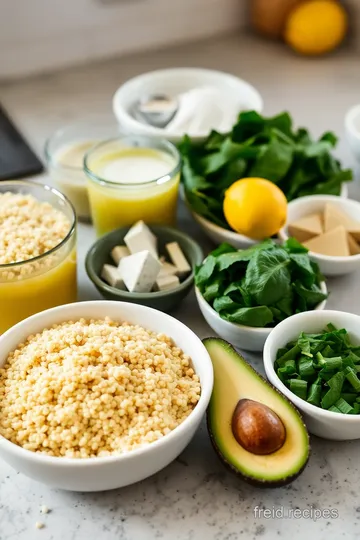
329, 227
149, 265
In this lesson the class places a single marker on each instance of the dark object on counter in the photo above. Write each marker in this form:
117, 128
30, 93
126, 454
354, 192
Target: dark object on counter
99, 254
17, 160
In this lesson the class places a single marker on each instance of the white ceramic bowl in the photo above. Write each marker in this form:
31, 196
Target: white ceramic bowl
320, 422
219, 234
352, 130
103, 473
173, 82
242, 337
329, 266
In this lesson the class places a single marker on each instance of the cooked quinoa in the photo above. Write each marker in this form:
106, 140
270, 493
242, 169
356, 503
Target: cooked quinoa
94, 388
28, 227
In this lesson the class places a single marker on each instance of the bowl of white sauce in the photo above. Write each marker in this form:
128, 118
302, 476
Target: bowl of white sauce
206, 100
65, 150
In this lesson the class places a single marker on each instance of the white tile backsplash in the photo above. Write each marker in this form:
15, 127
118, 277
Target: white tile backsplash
43, 35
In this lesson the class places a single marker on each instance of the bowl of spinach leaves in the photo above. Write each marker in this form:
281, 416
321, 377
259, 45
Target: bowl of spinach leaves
243, 294
262, 147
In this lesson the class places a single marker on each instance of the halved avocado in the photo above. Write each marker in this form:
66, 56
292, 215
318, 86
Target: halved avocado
254, 429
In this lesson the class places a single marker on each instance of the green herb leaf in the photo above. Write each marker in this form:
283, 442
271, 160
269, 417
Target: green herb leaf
267, 276
259, 316
226, 260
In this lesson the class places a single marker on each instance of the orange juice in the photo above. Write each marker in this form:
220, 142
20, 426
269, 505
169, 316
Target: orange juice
131, 183
24, 297
37, 250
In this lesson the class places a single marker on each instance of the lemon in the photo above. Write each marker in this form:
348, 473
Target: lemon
255, 207
316, 26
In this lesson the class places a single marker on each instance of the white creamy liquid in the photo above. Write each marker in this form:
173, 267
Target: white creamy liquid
136, 167
73, 154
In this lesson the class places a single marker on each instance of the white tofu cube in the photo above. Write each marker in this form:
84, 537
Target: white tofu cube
118, 252
168, 269
139, 271
140, 238
112, 276
165, 283
178, 259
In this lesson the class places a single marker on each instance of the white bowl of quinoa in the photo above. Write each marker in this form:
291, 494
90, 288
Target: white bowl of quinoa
99, 395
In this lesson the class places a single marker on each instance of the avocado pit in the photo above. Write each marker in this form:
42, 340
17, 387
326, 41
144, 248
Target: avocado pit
257, 428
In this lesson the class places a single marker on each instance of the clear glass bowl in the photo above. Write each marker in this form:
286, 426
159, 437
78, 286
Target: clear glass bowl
114, 201
47, 280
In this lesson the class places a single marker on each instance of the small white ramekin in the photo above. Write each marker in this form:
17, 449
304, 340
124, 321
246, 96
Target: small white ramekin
329, 266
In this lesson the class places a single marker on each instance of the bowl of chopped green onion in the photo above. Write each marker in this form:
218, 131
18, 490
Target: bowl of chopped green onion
314, 359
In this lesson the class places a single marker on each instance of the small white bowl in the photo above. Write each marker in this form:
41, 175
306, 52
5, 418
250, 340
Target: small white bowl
329, 266
104, 473
219, 234
173, 82
243, 337
352, 130
320, 422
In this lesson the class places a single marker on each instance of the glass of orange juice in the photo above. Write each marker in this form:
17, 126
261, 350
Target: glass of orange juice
132, 178
32, 217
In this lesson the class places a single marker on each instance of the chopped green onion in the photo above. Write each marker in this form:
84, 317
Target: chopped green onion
349, 397
356, 408
315, 393
334, 409
298, 387
331, 327
306, 369
290, 355
351, 376
343, 406
325, 375
335, 383
332, 364
324, 369
328, 352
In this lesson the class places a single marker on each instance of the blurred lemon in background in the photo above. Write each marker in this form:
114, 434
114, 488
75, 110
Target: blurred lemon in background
255, 207
316, 26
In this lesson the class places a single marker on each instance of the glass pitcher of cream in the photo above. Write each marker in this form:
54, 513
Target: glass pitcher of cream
132, 178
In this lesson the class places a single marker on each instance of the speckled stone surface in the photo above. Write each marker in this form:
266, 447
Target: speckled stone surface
195, 498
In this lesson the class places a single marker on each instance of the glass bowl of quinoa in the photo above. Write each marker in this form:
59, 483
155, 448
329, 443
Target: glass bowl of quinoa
37, 250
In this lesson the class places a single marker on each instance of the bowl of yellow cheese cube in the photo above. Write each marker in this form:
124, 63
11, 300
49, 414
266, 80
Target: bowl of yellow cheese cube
329, 227
150, 265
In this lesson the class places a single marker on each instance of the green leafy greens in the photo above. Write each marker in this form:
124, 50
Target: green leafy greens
262, 285
323, 370
258, 147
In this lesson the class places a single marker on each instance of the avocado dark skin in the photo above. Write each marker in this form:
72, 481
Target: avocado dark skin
265, 483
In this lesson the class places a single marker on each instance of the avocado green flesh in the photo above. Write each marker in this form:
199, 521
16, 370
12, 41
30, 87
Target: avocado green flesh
235, 379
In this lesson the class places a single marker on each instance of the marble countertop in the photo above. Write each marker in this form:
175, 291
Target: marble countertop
195, 498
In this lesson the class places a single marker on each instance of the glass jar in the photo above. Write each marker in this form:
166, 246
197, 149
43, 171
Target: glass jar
64, 152
132, 178
45, 281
